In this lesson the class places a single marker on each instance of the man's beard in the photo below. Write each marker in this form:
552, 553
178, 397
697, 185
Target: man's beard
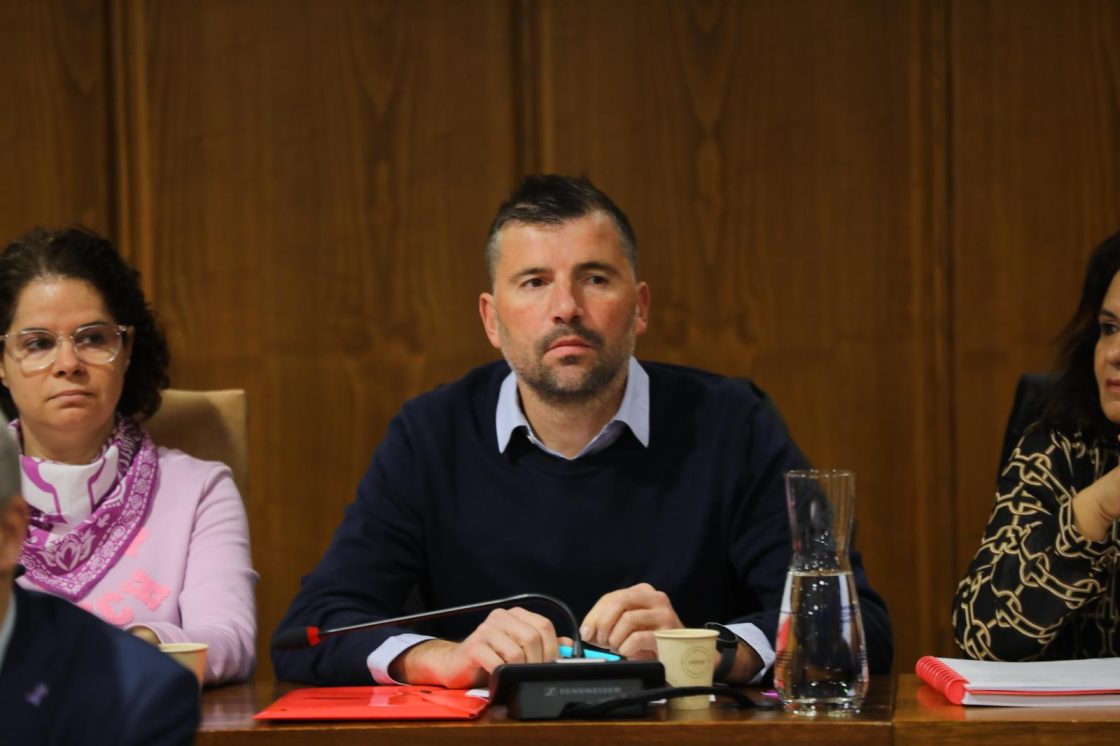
548, 384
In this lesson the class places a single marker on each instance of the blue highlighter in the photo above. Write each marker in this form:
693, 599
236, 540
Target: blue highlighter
590, 652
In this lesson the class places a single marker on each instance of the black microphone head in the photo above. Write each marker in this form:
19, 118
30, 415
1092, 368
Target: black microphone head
295, 638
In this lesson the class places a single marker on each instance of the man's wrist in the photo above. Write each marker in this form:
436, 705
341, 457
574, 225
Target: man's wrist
737, 662
727, 651
748, 664
410, 666
434, 662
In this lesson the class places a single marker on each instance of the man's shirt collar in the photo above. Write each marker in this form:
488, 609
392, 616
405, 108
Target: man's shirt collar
633, 412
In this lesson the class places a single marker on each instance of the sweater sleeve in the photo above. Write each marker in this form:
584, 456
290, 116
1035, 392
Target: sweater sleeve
369, 568
760, 539
217, 603
1033, 569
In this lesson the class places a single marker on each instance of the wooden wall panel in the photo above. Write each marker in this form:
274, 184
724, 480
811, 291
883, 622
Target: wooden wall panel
313, 186
1036, 185
779, 162
55, 143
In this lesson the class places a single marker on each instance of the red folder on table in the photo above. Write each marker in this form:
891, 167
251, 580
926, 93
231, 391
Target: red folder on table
375, 703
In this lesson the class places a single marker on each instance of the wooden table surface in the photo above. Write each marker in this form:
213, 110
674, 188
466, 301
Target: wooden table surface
227, 718
923, 716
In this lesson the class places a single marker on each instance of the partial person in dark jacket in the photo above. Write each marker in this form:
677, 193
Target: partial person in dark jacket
66, 677
1043, 585
646, 496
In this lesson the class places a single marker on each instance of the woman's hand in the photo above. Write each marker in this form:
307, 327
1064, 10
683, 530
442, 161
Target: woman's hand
144, 634
1097, 506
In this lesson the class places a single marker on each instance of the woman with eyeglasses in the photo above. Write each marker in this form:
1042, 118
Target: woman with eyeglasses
147, 538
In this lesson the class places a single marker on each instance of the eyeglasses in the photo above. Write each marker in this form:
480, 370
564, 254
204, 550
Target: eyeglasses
93, 344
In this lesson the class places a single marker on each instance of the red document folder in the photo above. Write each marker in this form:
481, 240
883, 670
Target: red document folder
375, 703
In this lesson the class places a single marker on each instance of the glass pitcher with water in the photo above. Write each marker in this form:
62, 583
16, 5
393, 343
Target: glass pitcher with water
821, 663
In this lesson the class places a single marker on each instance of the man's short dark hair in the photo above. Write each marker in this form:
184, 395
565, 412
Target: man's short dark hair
550, 199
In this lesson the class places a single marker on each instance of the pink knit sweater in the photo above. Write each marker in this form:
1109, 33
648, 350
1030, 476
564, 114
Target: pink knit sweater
188, 575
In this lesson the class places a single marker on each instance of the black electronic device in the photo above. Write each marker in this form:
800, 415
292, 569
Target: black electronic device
546, 691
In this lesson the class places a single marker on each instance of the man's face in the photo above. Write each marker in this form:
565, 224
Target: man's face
566, 308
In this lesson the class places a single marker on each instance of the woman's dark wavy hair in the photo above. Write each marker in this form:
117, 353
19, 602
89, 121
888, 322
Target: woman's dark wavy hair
81, 254
1074, 402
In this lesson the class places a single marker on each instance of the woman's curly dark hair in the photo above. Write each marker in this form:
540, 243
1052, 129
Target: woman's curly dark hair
81, 254
1074, 401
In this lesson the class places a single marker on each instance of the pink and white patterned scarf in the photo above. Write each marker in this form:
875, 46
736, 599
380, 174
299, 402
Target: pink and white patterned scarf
84, 516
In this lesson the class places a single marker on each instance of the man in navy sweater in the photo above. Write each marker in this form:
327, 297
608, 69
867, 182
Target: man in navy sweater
646, 496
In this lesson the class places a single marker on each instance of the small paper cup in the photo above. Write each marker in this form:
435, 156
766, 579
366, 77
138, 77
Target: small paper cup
190, 654
689, 659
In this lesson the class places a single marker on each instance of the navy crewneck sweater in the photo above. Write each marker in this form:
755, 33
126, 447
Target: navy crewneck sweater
700, 514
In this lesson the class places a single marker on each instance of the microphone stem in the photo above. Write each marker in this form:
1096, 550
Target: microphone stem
577, 644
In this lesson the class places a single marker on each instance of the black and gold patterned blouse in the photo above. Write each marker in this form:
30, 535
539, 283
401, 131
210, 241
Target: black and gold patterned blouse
1037, 589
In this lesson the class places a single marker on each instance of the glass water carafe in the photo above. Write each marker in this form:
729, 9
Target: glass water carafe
821, 663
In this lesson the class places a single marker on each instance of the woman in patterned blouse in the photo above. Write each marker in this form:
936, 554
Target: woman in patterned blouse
1044, 583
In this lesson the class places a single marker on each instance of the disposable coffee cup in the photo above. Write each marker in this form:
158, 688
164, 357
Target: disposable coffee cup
190, 654
689, 659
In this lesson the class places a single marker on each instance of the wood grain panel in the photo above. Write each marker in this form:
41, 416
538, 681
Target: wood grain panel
55, 145
1036, 185
783, 165
313, 186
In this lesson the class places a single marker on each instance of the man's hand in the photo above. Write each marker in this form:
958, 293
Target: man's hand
624, 620
507, 636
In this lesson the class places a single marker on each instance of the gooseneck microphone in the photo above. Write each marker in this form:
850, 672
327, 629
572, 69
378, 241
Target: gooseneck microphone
539, 691
297, 638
